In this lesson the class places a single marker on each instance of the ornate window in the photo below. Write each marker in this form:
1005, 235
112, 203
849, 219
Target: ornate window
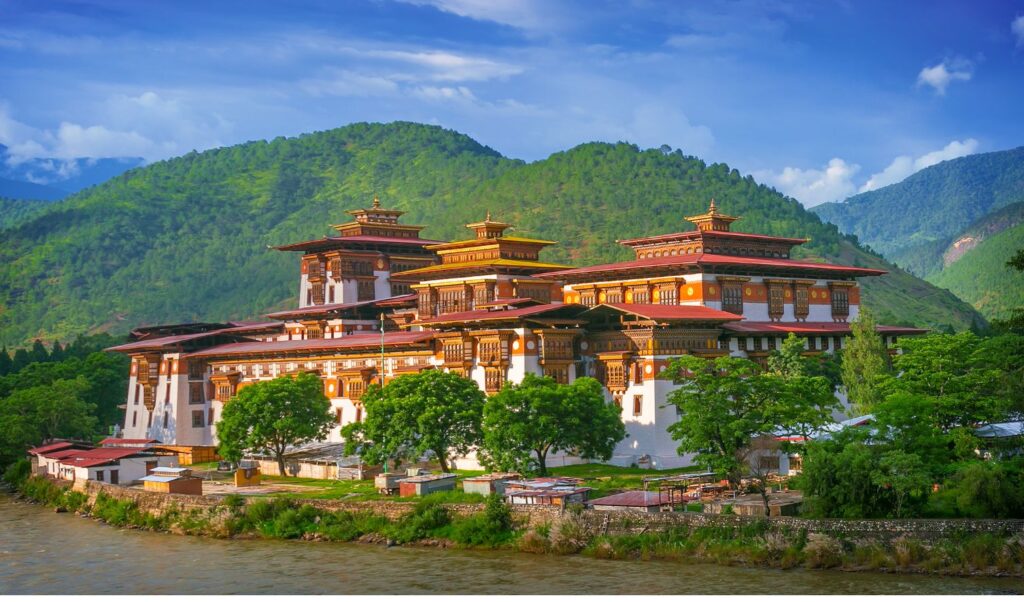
732, 298
364, 290
316, 291
840, 303
493, 379
800, 305
641, 295
613, 295
588, 298
198, 419
615, 376
667, 295
559, 373
776, 301
195, 393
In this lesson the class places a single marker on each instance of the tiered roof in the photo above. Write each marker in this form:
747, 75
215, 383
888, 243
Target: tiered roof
490, 252
373, 229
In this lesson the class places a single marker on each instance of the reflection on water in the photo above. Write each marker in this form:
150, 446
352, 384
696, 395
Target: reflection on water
46, 553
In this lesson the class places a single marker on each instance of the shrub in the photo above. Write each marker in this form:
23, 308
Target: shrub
822, 552
18, 471
428, 516
534, 541
981, 551
491, 528
570, 534
233, 500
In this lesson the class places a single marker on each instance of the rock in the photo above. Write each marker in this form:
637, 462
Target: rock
60, 509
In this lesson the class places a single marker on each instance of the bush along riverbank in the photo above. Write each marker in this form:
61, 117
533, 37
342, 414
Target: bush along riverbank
764, 543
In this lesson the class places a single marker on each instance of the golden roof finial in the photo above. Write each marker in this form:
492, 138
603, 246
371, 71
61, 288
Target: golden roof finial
712, 208
488, 218
376, 202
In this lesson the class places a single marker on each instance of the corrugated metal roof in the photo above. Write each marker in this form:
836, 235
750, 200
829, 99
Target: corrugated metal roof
155, 478
634, 499
828, 328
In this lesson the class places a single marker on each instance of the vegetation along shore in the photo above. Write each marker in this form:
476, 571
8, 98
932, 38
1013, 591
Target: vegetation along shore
940, 546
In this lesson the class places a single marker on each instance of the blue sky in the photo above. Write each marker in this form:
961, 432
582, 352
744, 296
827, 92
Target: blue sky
819, 99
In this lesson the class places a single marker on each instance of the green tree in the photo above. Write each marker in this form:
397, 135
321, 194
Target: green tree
524, 423
6, 364
865, 363
273, 415
731, 413
32, 415
789, 361
837, 477
905, 475
38, 352
433, 411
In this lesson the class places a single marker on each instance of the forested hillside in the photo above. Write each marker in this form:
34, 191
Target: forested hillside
934, 204
187, 238
982, 278
15, 211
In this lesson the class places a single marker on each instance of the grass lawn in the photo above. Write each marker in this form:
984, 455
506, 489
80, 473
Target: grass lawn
602, 478
608, 480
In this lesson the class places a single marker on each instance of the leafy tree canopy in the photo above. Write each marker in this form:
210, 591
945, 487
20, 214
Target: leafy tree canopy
523, 423
269, 416
430, 411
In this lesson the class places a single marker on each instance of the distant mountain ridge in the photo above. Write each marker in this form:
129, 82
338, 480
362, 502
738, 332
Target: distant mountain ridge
953, 224
936, 203
187, 238
53, 179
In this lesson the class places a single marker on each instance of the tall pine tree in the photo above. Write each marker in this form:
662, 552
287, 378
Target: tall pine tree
865, 364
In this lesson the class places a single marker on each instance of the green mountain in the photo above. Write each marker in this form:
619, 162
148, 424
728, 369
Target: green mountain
935, 204
975, 264
187, 238
14, 211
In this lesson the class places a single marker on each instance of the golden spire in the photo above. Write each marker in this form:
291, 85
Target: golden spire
488, 218
376, 202
712, 208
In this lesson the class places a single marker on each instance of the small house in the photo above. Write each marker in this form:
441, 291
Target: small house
635, 501
172, 480
114, 465
488, 484
425, 484
549, 491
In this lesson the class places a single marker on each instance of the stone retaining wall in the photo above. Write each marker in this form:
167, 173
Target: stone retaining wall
612, 522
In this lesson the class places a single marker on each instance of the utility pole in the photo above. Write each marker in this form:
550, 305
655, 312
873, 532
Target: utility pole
381, 372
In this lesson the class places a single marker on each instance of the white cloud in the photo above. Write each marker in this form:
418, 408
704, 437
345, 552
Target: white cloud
445, 93
813, 187
148, 125
521, 14
1017, 27
948, 71
446, 66
905, 165
348, 83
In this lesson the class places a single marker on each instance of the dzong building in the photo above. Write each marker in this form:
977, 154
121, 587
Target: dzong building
377, 301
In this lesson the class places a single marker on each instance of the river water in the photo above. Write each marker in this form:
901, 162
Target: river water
42, 552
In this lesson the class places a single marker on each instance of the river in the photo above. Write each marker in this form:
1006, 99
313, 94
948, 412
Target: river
42, 552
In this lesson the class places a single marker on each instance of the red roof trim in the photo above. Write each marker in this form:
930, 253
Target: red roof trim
354, 341
341, 240
653, 311
812, 328
706, 259
482, 315
629, 242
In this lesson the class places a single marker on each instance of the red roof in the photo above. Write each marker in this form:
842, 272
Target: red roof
707, 259
83, 458
480, 315
632, 499
654, 311
114, 441
811, 328
323, 309
335, 241
712, 233
52, 447
317, 309
163, 342
353, 341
